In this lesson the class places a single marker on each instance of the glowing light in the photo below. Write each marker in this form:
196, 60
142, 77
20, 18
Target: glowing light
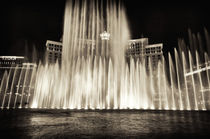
11, 57
34, 105
105, 36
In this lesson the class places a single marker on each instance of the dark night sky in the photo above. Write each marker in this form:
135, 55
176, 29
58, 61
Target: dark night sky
36, 21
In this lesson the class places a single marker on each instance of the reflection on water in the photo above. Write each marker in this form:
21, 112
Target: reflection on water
119, 124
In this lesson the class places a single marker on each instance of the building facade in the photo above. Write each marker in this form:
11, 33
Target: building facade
54, 51
154, 53
11, 61
140, 48
137, 48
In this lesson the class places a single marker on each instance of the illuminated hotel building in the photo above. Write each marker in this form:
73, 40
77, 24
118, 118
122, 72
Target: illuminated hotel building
54, 51
137, 48
140, 48
11, 61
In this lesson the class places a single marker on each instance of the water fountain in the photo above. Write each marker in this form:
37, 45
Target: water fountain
17, 86
95, 75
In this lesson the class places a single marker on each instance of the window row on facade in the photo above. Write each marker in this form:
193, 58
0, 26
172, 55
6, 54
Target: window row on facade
54, 45
55, 49
8, 63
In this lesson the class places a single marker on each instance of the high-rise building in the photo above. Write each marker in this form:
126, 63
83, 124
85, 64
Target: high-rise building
154, 53
140, 48
137, 48
54, 51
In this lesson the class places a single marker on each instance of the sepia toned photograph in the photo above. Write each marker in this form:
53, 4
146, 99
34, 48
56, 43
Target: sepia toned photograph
105, 69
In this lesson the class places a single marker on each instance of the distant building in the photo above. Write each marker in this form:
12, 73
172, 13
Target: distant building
140, 48
137, 48
89, 47
29, 65
54, 51
155, 53
11, 61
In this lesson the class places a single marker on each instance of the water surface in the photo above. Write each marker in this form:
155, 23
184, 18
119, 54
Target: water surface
34, 123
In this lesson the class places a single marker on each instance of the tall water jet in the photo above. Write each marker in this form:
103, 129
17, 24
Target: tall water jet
12, 87
159, 87
200, 82
6, 88
193, 82
91, 35
178, 80
185, 82
166, 105
171, 73
2, 87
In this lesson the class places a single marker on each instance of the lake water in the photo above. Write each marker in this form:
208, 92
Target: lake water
35, 123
